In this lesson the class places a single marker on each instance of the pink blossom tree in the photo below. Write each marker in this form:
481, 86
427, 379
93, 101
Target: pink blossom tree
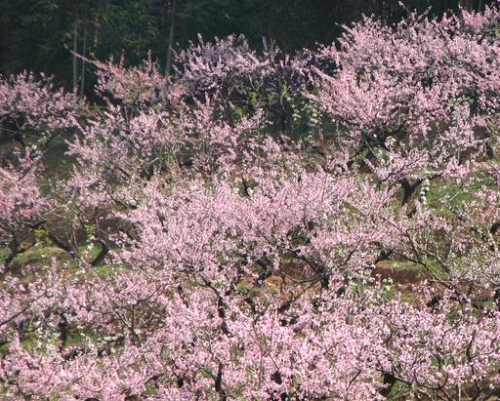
22, 205
32, 110
417, 94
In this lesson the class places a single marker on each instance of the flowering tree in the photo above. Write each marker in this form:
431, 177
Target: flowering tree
33, 113
32, 108
244, 81
422, 92
22, 205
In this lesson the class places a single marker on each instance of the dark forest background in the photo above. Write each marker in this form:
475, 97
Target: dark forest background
43, 35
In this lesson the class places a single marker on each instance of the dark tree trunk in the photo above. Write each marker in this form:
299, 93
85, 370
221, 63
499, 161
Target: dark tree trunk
171, 10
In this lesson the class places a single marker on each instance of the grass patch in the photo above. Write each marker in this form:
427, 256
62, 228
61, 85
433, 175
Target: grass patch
444, 195
42, 256
39, 256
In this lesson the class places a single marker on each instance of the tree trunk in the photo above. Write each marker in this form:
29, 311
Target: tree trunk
82, 80
466, 4
171, 9
75, 60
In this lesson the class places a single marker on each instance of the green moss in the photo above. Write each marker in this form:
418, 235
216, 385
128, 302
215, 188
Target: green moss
399, 392
4, 253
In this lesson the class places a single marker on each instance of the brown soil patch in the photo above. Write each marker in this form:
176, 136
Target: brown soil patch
385, 270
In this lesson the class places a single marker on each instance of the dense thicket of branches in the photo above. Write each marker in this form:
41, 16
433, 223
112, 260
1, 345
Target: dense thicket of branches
217, 233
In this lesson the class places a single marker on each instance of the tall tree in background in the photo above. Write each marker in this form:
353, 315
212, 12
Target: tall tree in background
171, 8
